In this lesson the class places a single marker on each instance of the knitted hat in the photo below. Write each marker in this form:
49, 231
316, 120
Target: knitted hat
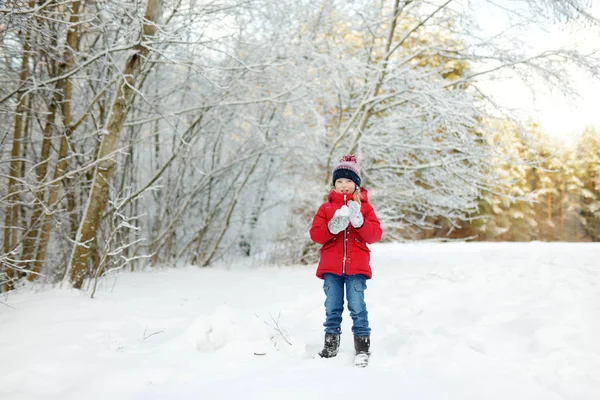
347, 168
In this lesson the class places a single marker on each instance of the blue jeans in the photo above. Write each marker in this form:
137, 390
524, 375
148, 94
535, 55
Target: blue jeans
334, 303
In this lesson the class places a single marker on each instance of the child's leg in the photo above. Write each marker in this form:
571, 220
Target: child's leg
355, 293
333, 286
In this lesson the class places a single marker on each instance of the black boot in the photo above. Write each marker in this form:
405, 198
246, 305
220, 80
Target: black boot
331, 345
362, 344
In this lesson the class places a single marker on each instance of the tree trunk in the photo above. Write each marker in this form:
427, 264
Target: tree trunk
98, 197
562, 211
549, 209
36, 217
61, 165
11, 218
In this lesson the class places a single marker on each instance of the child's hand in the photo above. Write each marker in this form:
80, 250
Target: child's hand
340, 220
356, 218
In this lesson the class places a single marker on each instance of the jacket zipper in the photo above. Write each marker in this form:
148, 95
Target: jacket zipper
345, 244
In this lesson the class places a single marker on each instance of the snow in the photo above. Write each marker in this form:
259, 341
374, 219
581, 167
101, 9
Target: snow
450, 321
343, 211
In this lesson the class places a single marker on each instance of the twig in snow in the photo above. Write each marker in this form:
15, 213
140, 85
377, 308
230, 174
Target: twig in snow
275, 326
152, 334
7, 305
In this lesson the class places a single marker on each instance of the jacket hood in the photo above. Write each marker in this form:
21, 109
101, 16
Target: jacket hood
335, 197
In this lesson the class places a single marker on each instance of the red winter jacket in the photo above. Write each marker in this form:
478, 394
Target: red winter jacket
356, 251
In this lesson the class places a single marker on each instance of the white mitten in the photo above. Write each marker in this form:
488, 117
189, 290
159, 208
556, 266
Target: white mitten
340, 220
356, 217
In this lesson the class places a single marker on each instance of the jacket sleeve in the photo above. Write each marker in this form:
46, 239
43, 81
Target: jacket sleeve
319, 232
370, 231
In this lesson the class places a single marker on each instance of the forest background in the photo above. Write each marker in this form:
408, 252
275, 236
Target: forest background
178, 132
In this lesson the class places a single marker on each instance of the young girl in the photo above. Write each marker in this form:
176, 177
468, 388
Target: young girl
344, 225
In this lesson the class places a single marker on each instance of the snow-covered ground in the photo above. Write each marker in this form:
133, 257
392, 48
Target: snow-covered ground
450, 321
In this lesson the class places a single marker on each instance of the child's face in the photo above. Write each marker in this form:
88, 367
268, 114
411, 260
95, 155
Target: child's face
344, 186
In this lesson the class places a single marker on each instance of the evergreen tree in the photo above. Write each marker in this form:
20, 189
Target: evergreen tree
587, 162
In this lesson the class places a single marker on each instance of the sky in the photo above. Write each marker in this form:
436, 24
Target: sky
452, 321
560, 116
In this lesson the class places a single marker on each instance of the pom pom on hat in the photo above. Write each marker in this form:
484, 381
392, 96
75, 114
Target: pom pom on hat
347, 168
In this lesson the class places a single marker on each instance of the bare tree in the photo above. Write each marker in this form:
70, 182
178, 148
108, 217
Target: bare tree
104, 170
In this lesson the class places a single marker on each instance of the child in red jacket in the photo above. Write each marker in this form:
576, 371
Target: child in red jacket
344, 225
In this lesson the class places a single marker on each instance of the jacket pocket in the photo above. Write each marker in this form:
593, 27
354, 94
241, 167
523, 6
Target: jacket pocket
361, 245
328, 244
